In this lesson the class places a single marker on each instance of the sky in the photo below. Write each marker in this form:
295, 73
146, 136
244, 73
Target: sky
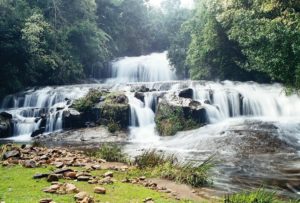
184, 3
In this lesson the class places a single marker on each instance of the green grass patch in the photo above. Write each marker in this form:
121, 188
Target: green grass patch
257, 196
168, 167
109, 152
17, 186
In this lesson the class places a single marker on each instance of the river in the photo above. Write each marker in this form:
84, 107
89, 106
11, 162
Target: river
253, 129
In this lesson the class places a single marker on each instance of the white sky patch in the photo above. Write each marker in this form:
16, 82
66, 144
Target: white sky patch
184, 3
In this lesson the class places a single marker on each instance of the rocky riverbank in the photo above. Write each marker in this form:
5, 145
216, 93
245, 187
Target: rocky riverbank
66, 173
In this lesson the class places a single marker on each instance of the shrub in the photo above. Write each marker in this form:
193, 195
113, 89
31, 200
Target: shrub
87, 103
113, 127
111, 152
151, 159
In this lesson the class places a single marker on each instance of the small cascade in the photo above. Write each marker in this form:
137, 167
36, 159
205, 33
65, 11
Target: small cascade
228, 99
142, 118
150, 68
29, 108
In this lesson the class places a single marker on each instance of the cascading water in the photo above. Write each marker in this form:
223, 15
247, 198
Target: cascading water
150, 68
253, 128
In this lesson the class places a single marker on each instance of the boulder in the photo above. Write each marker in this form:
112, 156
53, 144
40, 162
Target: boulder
12, 153
73, 119
186, 93
179, 114
30, 164
100, 190
140, 96
80, 196
6, 125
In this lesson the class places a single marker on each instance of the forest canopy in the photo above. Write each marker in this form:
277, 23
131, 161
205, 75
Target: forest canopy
55, 42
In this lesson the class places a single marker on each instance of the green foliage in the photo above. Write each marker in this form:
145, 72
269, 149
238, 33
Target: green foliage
86, 103
170, 120
151, 159
112, 153
113, 127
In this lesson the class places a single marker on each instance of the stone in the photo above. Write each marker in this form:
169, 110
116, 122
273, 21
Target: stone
108, 174
87, 200
142, 178
70, 188
59, 164
186, 93
106, 180
52, 189
100, 190
140, 96
53, 177
12, 153
30, 164
46, 200
96, 167
94, 181
62, 171
83, 178
70, 174
40, 176
80, 196
148, 200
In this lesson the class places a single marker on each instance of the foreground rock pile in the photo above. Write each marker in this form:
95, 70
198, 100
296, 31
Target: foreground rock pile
65, 165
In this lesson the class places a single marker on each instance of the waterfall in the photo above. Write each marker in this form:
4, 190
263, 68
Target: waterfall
149, 68
142, 118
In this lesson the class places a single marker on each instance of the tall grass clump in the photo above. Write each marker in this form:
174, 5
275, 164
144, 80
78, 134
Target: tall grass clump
110, 152
258, 196
168, 167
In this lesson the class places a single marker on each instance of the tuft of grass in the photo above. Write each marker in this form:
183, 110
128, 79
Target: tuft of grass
257, 196
168, 167
111, 153
188, 173
151, 159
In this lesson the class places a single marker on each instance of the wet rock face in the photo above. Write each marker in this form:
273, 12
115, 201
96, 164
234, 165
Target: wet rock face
186, 93
6, 125
179, 115
99, 107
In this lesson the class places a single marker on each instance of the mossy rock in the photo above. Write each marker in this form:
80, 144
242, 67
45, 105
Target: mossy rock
171, 118
89, 101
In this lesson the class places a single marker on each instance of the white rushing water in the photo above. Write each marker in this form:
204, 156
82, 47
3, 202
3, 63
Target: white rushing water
150, 68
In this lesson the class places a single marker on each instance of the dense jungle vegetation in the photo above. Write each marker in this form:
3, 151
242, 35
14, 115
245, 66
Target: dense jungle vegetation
53, 42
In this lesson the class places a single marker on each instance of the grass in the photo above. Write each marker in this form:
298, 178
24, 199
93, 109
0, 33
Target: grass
17, 186
110, 153
168, 167
257, 196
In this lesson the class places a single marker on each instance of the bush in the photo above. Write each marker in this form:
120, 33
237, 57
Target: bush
151, 159
87, 103
113, 127
111, 152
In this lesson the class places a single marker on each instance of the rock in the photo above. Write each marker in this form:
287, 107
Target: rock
207, 102
70, 174
38, 132
108, 174
96, 167
46, 200
53, 177
186, 93
142, 88
59, 164
40, 176
121, 99
6, 115
93, 181
142, 178
62, 171
70, 188
140, 96
179, 114
80, 196
83, 178
13, 153
148, 200
29, 164
100, 190
106, 180
52, 189
73, 119
87, 200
